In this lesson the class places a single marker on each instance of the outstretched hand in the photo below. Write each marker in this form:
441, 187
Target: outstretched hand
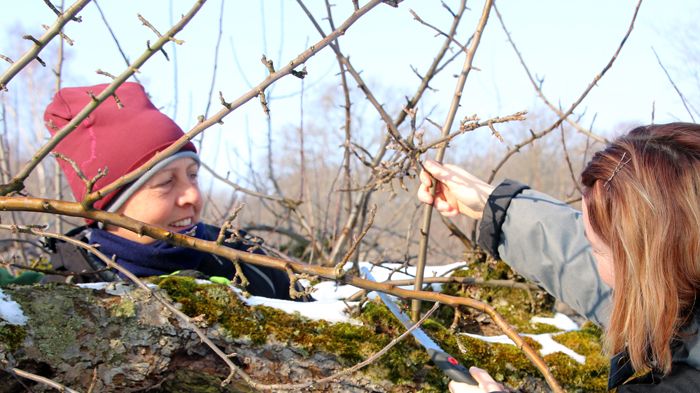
486, 383
456, 190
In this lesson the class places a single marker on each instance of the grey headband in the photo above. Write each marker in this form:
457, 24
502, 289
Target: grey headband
133, 187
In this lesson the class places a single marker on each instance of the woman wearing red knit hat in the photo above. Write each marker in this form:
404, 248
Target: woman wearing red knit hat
120, 136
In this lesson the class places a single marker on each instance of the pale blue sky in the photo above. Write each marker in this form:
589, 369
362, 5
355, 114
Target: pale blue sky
565, 42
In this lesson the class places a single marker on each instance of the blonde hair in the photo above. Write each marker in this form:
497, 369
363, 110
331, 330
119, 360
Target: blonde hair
642, 195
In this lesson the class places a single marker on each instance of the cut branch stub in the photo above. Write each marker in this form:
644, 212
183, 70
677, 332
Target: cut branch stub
59, 13
300, 74
226, 105
268, 64
263, 102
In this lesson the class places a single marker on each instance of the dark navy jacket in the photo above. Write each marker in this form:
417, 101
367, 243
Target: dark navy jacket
263, 281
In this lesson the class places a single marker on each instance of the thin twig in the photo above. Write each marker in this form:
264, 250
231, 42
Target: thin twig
565, 115
286, 201
446, 128
17, 182
40, 44
60, 12
67, 39
538, 86
89, 183
105, 73
568, 159
382, 351
438, 31
454, 229
339, 268
228, 224
37, 378
114, 38
91, 388
686, 104
215, 62
148, 24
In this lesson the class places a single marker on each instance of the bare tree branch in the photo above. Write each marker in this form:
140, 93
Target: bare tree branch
563, 116
36, 378
17, 182
216, 118
32, 53
8, 203
538, 87
688, 107
447, 126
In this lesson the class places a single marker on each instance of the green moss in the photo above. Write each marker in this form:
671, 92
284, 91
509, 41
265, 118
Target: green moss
585, 341
516, 305
125, 308
591, 376
12, 337
506, 362
406, 362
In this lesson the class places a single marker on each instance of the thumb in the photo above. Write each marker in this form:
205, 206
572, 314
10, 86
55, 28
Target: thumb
486, 381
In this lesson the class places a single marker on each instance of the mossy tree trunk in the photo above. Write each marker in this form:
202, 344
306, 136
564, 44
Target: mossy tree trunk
134, 343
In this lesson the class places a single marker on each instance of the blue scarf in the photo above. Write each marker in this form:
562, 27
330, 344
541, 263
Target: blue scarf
152, 259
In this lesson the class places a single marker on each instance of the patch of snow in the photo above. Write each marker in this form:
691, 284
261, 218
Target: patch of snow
329, 295
116, 288
97, 286
328, 310
560, 321
10, 311
548, 344
551, 346
329, 291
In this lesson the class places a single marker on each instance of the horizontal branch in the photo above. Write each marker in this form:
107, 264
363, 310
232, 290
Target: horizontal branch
75, 209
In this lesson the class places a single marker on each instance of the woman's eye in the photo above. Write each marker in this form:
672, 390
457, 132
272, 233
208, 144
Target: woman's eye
164, 183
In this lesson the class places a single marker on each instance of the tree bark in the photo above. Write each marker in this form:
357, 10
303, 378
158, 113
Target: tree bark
134, 343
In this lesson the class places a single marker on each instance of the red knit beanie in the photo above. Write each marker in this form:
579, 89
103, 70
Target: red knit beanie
119, 139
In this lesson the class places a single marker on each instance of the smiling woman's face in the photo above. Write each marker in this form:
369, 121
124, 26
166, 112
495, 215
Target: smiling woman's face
601, 251
170, 200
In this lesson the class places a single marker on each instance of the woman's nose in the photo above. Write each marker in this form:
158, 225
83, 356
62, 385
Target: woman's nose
190, 194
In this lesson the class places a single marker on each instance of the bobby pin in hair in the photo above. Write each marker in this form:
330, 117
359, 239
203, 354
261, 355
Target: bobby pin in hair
617, 169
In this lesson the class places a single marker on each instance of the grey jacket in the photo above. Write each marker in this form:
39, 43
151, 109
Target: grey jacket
543, 239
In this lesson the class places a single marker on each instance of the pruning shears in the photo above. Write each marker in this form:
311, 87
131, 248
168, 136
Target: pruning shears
446, 362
